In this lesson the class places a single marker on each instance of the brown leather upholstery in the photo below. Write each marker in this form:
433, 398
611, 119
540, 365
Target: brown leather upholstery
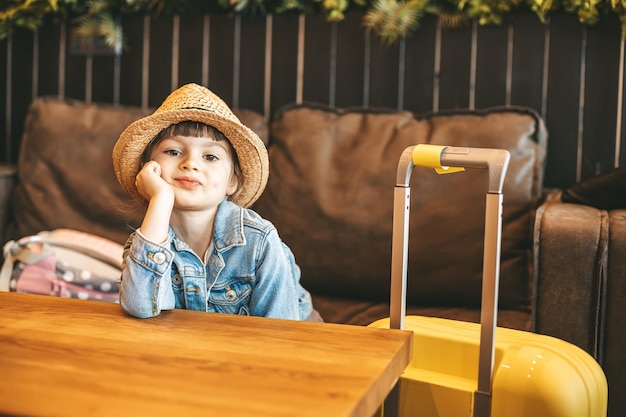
330, 195
65, 173
614, 354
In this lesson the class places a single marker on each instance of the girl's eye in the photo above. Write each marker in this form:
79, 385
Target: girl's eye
172, 152
211, 157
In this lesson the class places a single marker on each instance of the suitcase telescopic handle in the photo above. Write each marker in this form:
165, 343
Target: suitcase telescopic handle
447, 159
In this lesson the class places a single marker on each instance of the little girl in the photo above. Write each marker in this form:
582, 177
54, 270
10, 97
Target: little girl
199, 247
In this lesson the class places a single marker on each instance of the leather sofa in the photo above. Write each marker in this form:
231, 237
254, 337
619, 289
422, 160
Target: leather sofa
580, 261
330, 194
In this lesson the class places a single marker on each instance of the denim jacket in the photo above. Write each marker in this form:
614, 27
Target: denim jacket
248, 270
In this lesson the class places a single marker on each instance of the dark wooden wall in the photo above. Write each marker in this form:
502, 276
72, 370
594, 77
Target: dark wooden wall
571, 74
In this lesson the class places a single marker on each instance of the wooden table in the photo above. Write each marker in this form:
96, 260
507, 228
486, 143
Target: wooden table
67, 357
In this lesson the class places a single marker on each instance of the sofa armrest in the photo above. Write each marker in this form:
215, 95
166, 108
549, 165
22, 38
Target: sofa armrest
571, 246
613, 354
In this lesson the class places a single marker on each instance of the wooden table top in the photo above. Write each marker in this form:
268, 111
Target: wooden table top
67, 357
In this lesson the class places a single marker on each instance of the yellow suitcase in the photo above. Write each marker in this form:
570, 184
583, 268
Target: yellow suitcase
462, 369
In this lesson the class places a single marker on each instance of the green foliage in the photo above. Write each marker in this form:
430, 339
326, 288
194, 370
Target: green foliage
389, 19
394, 19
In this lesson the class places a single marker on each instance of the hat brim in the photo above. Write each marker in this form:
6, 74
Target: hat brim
250, 149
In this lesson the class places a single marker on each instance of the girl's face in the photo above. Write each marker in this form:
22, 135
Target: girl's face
199, 169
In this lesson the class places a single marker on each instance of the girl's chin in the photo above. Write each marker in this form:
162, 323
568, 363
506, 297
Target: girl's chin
191, 204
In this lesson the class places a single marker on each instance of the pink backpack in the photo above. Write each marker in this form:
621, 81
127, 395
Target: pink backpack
63, 263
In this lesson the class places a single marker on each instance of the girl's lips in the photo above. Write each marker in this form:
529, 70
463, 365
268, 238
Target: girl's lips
187, 182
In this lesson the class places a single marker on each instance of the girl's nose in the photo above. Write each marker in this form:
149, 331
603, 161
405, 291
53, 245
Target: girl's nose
189, 163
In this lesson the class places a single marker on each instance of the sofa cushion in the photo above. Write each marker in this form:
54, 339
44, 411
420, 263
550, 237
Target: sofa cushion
65, 172
330, 194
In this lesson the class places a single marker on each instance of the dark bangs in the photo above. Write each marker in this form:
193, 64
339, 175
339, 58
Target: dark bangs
187, 128
191, 129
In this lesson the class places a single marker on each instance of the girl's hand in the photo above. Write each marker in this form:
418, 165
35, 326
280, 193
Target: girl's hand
160, 196
150, 184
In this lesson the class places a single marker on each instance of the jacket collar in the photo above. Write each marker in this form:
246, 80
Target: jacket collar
227, 228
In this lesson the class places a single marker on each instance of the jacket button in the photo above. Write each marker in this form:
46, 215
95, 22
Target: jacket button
159, 258
231, 295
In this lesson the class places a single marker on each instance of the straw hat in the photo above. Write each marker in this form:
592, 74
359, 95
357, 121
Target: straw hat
196, 103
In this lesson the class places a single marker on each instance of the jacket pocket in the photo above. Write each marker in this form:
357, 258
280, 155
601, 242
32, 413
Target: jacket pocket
232, 296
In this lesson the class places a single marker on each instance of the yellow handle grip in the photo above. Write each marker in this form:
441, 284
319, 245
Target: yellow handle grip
429, 156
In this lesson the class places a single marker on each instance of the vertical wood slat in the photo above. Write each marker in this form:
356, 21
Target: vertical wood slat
581, 104
300, 58
73, 77
528, 72
421, 68
599, 124
191, 52
351, 62
221, 56
384, 66
401, 74
314, 67
620, 106
161, 58
206, 40
35, 78
562, 100
455, 69
491, 66
88, 79
175, 61
48, 60
7, 119
509, 63
131, 62
471, 103
103, 84
62, 60
546, 73
117, 73
284, 61
19, 92
236, 60
267, 60
332, 88
437, 68
145, 62
252, 64
367, 69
